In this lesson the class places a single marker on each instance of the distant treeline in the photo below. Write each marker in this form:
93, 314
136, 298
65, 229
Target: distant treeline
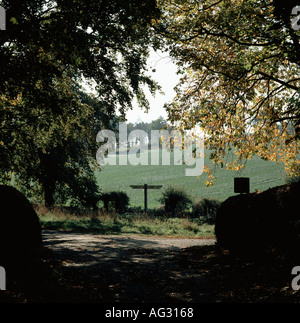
159, 124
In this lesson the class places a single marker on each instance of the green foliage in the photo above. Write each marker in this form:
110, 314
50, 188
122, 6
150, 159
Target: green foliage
205, 210
106, 42
79, 189
176, 201
118, 201
158, 124
48, 123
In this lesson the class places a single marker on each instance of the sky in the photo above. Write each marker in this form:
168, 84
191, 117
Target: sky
165, 75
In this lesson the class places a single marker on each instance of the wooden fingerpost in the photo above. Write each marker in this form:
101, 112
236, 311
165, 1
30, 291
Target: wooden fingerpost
146, 187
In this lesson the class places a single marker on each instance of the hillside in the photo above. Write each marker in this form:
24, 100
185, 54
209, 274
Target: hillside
263, 175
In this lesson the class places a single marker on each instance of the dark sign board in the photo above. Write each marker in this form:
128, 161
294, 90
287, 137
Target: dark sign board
241, 185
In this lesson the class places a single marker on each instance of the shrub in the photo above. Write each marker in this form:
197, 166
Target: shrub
176, 201
91, 201
205, 210
115, 200
260, 223
20, 229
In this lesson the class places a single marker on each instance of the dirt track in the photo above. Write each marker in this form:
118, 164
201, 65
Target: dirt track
85, 268
146, 269
124, 268
77, 249
78, 241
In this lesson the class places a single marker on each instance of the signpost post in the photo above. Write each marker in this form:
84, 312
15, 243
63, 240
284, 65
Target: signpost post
2, 279
146, 187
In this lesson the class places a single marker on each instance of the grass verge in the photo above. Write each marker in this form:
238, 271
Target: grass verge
124, 224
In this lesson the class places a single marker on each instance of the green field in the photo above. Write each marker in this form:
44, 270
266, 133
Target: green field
263, 175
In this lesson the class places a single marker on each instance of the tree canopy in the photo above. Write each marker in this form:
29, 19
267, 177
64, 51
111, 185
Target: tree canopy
48, 52
240, 64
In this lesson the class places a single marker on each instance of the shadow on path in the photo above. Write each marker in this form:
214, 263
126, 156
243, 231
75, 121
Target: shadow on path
129, 268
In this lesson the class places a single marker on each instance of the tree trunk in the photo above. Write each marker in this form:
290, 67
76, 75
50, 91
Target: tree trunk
49, 189
48, 178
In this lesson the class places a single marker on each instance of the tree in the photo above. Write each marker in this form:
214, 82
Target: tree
159, 124
51, 149
102, 41
240, 64
48, 50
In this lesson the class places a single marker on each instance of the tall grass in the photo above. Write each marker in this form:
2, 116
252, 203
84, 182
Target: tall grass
110, 223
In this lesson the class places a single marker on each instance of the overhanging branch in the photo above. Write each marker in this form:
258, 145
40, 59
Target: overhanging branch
287, 84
